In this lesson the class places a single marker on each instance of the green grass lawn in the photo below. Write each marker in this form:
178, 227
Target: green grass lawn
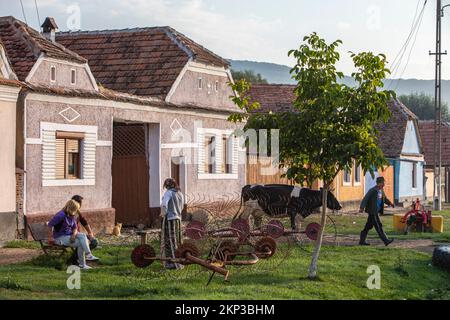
405, 274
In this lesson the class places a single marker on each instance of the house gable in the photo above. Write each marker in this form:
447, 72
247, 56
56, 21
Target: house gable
66, 75
142, 61
203, 85
411, 142
6, 70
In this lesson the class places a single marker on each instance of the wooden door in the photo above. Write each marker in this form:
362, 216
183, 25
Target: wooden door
130, 176
175, 170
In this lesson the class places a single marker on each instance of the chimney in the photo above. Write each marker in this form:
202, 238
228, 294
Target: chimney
49, 28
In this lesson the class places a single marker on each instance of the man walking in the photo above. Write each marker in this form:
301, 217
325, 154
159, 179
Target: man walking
373, 204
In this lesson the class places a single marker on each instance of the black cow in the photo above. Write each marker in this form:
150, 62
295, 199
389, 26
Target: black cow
283, 200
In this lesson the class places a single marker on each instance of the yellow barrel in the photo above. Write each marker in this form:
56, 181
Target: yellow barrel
398, 224
437, 223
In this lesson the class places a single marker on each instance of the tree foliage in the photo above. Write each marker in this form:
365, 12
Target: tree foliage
249, 76
423, 106
331, 125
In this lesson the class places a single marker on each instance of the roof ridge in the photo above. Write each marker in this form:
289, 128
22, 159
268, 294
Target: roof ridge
172, 34
30, 33
405, 110
107, 31
177, 34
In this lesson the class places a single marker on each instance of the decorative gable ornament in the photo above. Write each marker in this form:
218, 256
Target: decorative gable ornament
176, 127
69, 114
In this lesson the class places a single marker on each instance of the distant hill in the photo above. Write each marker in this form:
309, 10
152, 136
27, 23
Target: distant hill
276, 73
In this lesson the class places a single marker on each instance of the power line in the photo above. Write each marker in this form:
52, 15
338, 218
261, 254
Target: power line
417, 21
411, 49
23, 12
411, 35
37, 12
395, 61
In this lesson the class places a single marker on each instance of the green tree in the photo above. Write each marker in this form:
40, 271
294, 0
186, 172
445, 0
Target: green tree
332, 124
423, 106
249, 76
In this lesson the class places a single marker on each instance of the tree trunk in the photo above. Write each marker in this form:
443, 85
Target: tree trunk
315, 256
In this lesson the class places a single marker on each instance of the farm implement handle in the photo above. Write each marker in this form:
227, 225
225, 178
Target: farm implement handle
240, 229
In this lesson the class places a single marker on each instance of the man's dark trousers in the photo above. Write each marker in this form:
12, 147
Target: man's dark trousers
373, 221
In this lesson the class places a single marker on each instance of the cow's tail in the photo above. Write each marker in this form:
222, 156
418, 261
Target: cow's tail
238, 214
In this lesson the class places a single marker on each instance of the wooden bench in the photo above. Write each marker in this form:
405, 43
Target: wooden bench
39, 233
145, 235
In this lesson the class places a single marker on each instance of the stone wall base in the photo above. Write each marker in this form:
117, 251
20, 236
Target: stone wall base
8, 227
100, 220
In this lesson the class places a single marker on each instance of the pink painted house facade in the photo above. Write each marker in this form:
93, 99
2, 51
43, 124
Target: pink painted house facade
110, 114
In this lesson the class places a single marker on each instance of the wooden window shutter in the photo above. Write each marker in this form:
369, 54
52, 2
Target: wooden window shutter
217, 154
48, 155
89, 144
60, 158
201, 152
235, 155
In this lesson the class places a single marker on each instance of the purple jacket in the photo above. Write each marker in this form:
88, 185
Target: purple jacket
68, 224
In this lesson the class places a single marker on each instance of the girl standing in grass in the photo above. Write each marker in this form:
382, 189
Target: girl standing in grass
172, 205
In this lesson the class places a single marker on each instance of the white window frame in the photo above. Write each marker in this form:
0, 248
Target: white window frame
53, 67
414, 176
359, 170
218, 175
74, 73
346, 183
88, 150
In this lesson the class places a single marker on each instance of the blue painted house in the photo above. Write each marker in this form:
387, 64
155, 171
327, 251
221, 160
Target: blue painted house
401, 143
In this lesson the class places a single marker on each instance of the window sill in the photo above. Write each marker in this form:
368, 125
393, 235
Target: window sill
346, 184
217, 176
68, 182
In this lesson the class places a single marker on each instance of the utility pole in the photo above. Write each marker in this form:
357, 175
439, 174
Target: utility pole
437, 155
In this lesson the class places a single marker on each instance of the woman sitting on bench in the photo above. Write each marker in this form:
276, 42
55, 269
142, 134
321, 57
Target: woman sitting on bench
68, 235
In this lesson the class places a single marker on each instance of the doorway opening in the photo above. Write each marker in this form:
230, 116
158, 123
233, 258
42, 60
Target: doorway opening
130, 174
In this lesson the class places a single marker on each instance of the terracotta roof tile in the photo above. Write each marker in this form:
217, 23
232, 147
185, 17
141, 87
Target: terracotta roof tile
279, 98
142, 61
24, 45
107, 94
273, 97
392, 133
427, 135
9, 82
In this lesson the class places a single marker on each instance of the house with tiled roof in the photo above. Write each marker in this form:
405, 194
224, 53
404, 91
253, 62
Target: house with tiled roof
109, 115
427, 134
348, 187
400, 141
9, 91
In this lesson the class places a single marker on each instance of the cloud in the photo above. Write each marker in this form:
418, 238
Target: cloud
343, 26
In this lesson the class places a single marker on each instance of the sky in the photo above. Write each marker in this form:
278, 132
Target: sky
265, 30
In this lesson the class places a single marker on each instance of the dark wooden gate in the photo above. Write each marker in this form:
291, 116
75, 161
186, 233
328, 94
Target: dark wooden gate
130, 175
